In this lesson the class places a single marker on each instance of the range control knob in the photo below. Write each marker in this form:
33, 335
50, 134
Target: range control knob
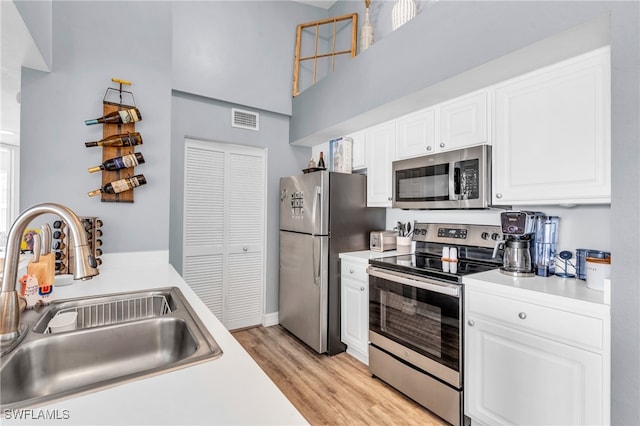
495, 236
485, 235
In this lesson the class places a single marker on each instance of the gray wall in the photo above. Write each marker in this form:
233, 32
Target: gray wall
93, 42
38, 17
208, 119
238, 51
236, 54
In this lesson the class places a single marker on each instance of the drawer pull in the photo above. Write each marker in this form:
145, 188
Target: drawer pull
361, 288
351, 271
522, 315
471, 323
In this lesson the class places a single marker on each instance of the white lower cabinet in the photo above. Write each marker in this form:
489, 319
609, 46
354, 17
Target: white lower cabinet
531, 364
354, 284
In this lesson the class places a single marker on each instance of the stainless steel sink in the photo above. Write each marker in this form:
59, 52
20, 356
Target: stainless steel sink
118, 338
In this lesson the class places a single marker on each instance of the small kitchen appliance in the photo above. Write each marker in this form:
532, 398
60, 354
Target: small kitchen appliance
416, 312
457, 179
518, 228
382, 241
546, 241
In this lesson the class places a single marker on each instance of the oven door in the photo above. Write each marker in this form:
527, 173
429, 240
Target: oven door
417, 320
425, 182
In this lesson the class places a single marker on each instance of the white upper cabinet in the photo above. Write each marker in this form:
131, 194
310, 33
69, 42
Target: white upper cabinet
380, 141
464, 122
552, 140
359, 151
416, 134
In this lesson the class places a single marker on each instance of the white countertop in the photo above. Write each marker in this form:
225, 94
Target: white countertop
364, 255
562, 291
230, 390
566, 291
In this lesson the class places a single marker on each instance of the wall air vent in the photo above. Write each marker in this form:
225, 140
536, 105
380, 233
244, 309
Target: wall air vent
245, 119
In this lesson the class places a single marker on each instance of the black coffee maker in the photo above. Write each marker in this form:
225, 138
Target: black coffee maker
518, 228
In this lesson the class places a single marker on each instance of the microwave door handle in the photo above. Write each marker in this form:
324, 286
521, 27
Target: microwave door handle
454, 184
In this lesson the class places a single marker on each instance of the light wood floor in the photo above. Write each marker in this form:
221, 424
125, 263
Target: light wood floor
336, 390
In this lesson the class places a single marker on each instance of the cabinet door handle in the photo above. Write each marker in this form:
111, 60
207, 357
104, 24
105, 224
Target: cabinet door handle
498, 195
361, 288
389, 199
429, 148
471, 323
351, 271
522, 315
441, 144
245, 248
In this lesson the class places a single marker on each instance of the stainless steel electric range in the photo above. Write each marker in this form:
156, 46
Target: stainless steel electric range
416, 312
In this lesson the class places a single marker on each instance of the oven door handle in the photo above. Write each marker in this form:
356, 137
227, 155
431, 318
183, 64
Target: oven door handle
423, 283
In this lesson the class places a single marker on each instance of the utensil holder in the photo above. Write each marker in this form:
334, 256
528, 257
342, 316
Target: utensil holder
403, 244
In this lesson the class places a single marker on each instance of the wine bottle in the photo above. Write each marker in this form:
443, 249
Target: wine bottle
59, 235
58, 224
60, 255
121, 185
123, 139
124, 116
117, 163
321, 164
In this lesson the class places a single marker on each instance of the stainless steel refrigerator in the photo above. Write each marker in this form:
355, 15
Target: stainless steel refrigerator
321, 215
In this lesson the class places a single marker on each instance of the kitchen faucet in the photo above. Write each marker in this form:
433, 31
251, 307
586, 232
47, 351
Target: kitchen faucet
84, 264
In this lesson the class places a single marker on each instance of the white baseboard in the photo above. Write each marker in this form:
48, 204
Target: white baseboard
270, 319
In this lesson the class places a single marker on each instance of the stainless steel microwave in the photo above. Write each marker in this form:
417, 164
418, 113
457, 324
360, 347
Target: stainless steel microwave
459, 179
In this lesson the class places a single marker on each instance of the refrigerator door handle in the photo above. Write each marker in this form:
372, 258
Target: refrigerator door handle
316, 197
316, 262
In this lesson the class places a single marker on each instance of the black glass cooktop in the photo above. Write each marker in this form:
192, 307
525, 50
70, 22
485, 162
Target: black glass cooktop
432, 266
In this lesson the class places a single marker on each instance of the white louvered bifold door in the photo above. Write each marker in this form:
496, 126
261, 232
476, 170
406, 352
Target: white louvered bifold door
244, 243
224, 228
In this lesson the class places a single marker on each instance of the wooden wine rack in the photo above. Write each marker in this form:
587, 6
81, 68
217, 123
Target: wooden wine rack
110, 152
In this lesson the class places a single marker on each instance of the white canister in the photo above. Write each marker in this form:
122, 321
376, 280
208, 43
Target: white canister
403, 244
597, 271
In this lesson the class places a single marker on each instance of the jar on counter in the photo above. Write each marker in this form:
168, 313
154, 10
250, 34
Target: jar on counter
597, 270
